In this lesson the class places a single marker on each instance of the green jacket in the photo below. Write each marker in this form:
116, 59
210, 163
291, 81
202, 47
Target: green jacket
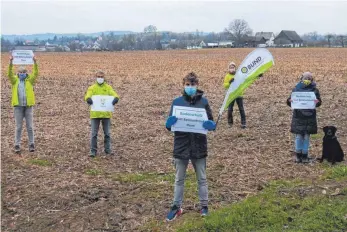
29, 85
103, 89
227, 81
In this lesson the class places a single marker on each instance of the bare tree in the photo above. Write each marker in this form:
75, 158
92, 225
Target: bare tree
239, 29
341, 40
150, 29
329, 36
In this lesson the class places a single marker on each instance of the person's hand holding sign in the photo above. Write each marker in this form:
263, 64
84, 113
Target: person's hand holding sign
11, 59
171, 121
90, 101
115, 101
209, 125
316, 101
34, 59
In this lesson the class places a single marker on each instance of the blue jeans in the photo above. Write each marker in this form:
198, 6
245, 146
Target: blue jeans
200, 171
21, 113
106, 124
302, 143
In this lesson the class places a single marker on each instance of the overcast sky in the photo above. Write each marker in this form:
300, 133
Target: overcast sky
29, 17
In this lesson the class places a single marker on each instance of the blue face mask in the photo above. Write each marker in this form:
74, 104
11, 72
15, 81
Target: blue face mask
190, 90
22, 76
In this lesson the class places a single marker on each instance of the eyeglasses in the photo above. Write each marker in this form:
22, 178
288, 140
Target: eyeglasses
100, 76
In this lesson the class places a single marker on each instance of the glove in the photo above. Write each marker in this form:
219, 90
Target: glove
89, 101
209, 125
171, 121
260, 75
115, 100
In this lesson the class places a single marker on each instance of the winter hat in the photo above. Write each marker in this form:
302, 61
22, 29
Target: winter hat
307, 76
232, 63
22, 69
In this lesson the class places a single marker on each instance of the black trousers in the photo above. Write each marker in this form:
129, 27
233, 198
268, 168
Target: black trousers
239, 102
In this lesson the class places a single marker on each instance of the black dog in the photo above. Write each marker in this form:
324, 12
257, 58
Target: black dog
332, 150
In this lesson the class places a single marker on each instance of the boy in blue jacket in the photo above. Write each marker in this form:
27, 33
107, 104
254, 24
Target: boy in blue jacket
190, 146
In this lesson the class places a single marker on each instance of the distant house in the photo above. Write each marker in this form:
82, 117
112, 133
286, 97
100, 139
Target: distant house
226, 44
27, 47
202, 44
51, 47
268, 36
212, 45
253, 41
288, 39
165, 43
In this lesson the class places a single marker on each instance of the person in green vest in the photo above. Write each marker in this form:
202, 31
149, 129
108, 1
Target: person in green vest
23, 101
100, 88
228, 79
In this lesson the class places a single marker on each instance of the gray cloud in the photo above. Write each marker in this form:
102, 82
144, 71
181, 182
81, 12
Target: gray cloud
30, 17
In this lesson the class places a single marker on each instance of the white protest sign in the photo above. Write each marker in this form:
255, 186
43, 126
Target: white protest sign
102, 103
190, 119
303, 100
24, 57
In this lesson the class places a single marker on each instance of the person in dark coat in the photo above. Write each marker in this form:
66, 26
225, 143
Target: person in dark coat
304, 121
190, 146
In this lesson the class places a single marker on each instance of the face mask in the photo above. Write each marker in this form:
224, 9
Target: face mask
190, 90
22, 76
306, 82
100, 80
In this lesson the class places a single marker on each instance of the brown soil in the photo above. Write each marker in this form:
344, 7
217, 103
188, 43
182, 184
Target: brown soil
76, 193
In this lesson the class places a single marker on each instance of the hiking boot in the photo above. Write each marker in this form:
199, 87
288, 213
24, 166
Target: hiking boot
305, 159
31, 148
17, 149
174, 213
298, 158
204, 211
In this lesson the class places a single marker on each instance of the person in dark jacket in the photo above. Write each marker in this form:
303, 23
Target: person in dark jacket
190, 146
304, 121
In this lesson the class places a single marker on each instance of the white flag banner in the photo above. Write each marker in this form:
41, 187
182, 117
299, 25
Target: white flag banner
256, 63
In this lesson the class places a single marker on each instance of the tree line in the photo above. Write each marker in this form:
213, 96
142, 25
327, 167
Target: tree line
237, 31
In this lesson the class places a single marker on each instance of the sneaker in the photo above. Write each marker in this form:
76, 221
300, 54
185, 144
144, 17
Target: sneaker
204, 211
17, 149
92, 154
32, 148
109, 153
243, 126
230, 124
174, 212
298, 157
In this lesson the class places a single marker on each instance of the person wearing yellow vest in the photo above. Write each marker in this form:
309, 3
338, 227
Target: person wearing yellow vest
228, 79
100, 88
23, 100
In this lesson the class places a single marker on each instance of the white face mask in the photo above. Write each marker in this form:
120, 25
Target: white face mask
100, 80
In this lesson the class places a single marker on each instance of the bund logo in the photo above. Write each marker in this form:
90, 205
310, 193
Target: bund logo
103, 102
244, 69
